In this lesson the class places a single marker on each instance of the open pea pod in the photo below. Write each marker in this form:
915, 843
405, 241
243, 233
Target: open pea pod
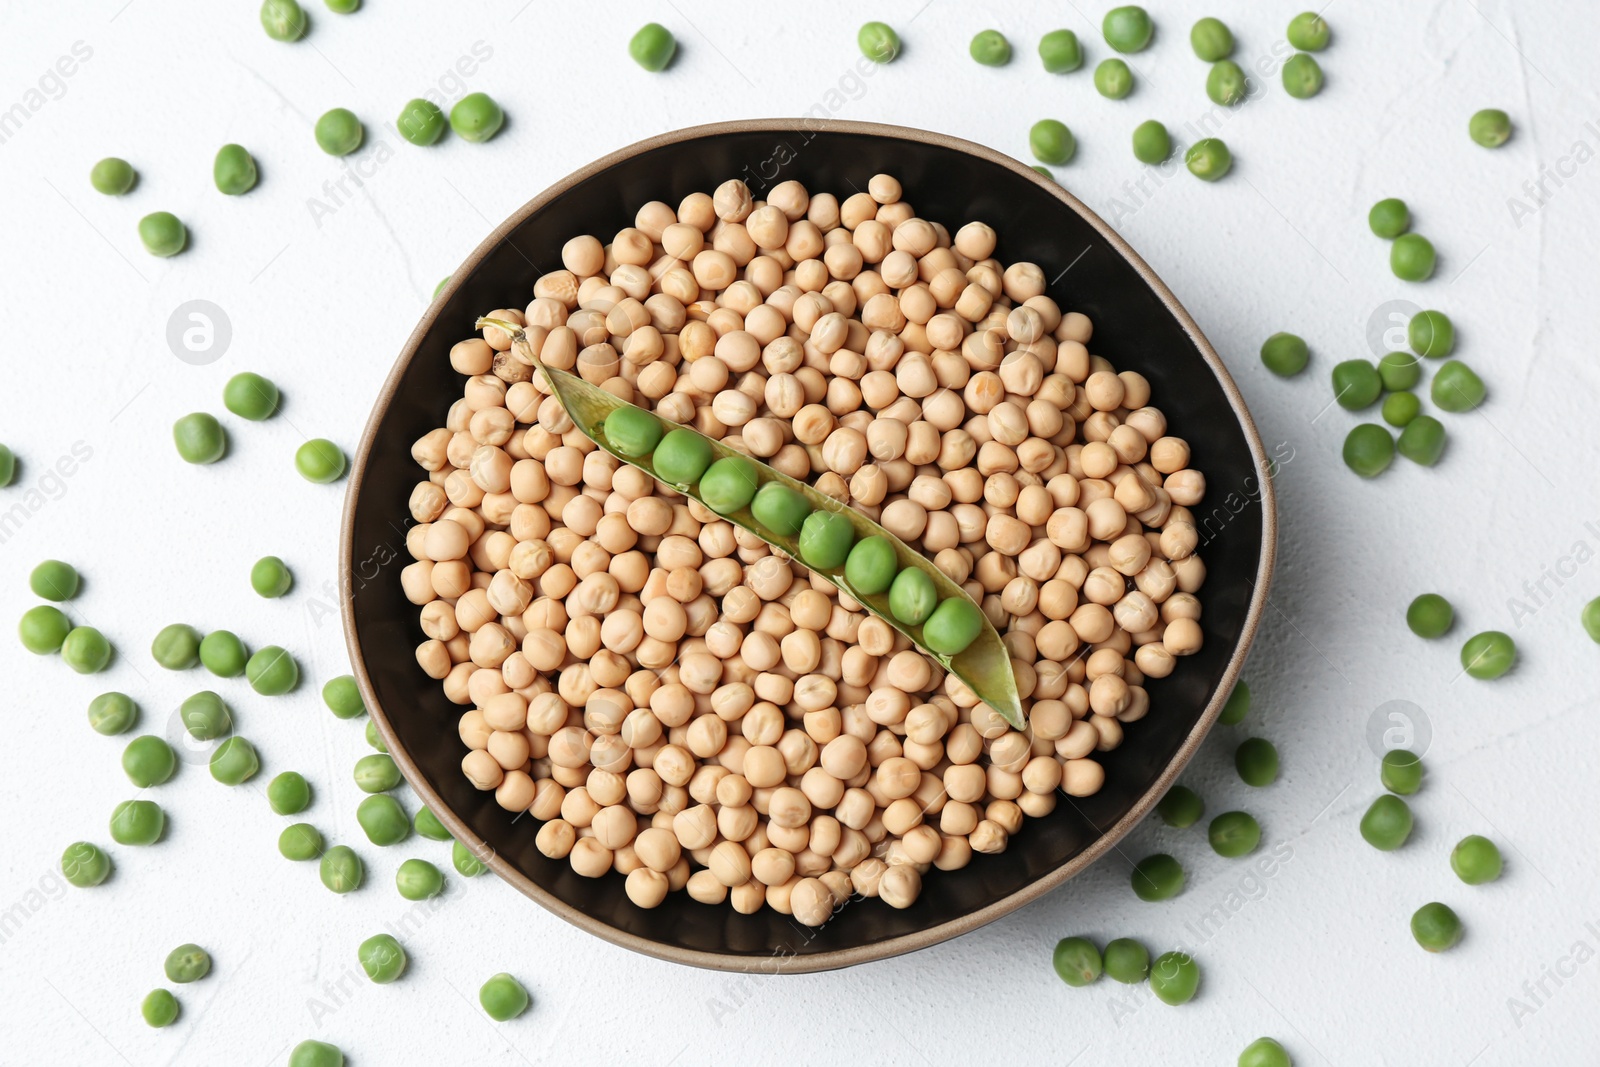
984, 665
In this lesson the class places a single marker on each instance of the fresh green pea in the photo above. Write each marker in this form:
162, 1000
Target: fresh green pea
633, 431
284, 20
176, 647
1077, 961
319, 460
300, 841
1401, 771
1264, 1052
1234, 834
502, 996
1489, 654
1151, 142
148, 761
289, 793
84, 864
112, 713
272, 672
421, 122
343, 697
234, 170
1127, 961
729, 485
187, 963
383, 819
223, 654
163, 234
1181, 808
1059, 51
1368, 450
1412, 258
1431, 333
1256, 760
137, 822
476, 117
1285, 355
1052, 142
339, 132
1436, 927
310, 1053
1389, 218
159, 1008
878, 42
1226, 83
1112, 79
1237, 705
1590, 618
376, 773
86, 650
953, 626
112, 176
990, 48
1456, 388
1127, 29
199, 438
343, 7
653, 46
1308, 32
780, 509
341, 870
682, 457
466, 864
825, 540
1157, 877
418, 880
1400, 409
54, 580
235, 761
374, 738
250, 396
1387, 823
871, 566
1208, 159
912, 596
426, 823
1422, 440
1174, 977
437, 289
1211, 39
205, 716
8, 466
1356, 384
270, 577
1399, 371
382, 958
1302, 77
1476, 860
1490, 127
43, 629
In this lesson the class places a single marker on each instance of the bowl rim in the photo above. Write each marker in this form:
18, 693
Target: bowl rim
843, 957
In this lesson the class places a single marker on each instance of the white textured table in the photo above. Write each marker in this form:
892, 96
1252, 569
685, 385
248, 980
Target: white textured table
322, 276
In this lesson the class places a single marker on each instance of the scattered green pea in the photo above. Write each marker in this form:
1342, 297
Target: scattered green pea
1368, 450
1308, 32
319, 460
374, 738
300, 841
1052, 142
1112, 79
1264, 1052
1043, 172
234, 170
502, 996
1237, 706
1422, 440
476, 117
1226, 83
990, 48
343, 7
437, 289
1285, 355
1488, 655
163, 234
341, 870
250, 396
878, 42
199, 438
112, 176
1476, 860
316, 1054
1174, 977
1127, 29
422, 122
137, 822
1256, 760
1356, 384
54, 580
284, 20
1412, 258
1181, 808
223, 654
376, 773
1490, 127
1208, 159
8, 466
912, 596
418, 880
84, 864
270, 577
1431, 333
382, 958
43, 629
1151, 142
1077, 961
1399, 409
159, 1008
86, 650
383, 819
112, 713
187, 963
426, 823
1059, 51
1157, 877
1211, 39
729, 485
466, 864
682, 457
1234, 834
148, 761
871, 566
343, 697
1590, 618
1126, 961
272, 672
1302, 77
1401, 771
1389, 218
289, 793
653, 46
339, 132
825, 541
176, 647
1456, 388
205, 716
953, 626
780, 509
235, 761
1399, 371
1436, 927
1387, 823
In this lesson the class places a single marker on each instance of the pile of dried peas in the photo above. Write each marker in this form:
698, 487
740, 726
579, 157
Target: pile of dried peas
671, 699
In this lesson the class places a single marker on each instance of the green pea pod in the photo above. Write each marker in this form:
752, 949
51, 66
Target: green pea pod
984, 666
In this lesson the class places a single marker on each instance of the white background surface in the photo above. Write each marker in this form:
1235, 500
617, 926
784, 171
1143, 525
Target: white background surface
1317, 954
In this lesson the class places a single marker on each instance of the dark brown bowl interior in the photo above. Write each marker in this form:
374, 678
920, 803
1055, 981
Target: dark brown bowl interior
1138, 326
